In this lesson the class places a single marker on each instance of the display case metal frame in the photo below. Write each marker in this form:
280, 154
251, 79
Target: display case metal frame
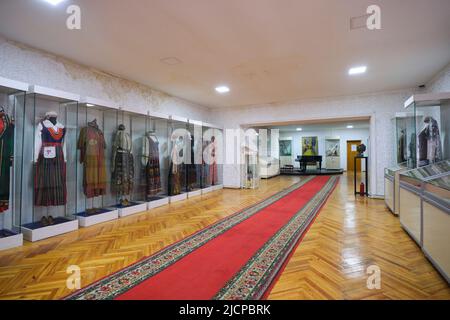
13, 235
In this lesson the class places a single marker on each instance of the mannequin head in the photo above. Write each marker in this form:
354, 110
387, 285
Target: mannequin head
52, 116
121, 127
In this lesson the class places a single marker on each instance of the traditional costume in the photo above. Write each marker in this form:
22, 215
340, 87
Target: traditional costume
176, 170
150, 161
92, 145
122, 163
50, 158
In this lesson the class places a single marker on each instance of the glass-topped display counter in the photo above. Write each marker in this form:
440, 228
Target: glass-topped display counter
436, 222
391, 187
12, 101
411, 186
431, 128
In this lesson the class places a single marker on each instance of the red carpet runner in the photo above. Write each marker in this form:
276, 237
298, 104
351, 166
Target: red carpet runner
238, 257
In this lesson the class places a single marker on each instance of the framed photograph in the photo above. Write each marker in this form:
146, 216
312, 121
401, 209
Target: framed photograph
310, 146
285, 148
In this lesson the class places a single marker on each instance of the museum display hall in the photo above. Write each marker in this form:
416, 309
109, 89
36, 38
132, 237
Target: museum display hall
256, 150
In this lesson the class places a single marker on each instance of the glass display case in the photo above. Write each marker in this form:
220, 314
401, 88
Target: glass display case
178, 158
428, 140
209, 166
391, 187
96, 126
250, 174
405, 141
333, 153
12, 101
47, 125
194, 158
411, 184
128, 177
156, 160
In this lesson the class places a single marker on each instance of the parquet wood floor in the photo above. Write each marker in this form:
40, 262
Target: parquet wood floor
347, 237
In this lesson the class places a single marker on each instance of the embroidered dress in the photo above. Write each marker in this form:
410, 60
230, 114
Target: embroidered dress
50, 175
123, 163
92, 145
150, 161
6, 154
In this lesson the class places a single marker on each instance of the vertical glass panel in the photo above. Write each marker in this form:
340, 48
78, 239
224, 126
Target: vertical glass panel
405, 150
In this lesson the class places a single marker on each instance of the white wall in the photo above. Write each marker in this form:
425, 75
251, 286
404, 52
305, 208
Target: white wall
22, 63
345, 135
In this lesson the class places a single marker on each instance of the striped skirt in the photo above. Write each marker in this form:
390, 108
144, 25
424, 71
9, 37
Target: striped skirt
50, 180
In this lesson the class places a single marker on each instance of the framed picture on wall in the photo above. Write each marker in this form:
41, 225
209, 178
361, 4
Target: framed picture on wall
285, 148
310, 146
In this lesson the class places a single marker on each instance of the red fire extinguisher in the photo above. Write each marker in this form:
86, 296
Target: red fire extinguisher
362, 189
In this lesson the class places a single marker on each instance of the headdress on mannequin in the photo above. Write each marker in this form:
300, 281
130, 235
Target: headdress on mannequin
51, 114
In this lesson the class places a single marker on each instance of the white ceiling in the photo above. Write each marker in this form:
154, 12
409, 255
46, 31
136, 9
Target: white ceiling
323, 126
265, 50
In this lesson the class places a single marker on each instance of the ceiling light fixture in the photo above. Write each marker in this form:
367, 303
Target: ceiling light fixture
357, 70
223, 89
299, 129
90, 104
54, 2
350, 127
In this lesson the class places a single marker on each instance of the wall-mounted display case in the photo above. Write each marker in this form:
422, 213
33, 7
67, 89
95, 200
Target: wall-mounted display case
47, 127
96, 201
156, 160
250, 175
195, 158
212, 170
12, 101
179, 143
428, 133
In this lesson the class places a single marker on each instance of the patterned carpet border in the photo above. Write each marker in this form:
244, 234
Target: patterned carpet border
253, 280
125, 279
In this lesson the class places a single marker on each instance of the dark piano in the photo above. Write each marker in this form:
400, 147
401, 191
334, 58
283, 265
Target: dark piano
311, 160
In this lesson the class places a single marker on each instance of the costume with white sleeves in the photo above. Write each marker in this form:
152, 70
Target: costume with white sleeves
50, 158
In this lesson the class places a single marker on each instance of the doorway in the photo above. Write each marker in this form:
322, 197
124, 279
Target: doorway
351, 154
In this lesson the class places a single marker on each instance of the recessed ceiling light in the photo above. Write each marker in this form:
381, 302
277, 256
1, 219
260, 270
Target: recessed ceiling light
357, 70
54, 2
350, 127
299, 129
171, 61
223, 89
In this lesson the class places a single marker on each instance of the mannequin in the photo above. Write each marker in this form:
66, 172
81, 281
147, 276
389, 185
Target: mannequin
6, 157
123, 165
50, 158
213, 162
150, 162
429, 140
